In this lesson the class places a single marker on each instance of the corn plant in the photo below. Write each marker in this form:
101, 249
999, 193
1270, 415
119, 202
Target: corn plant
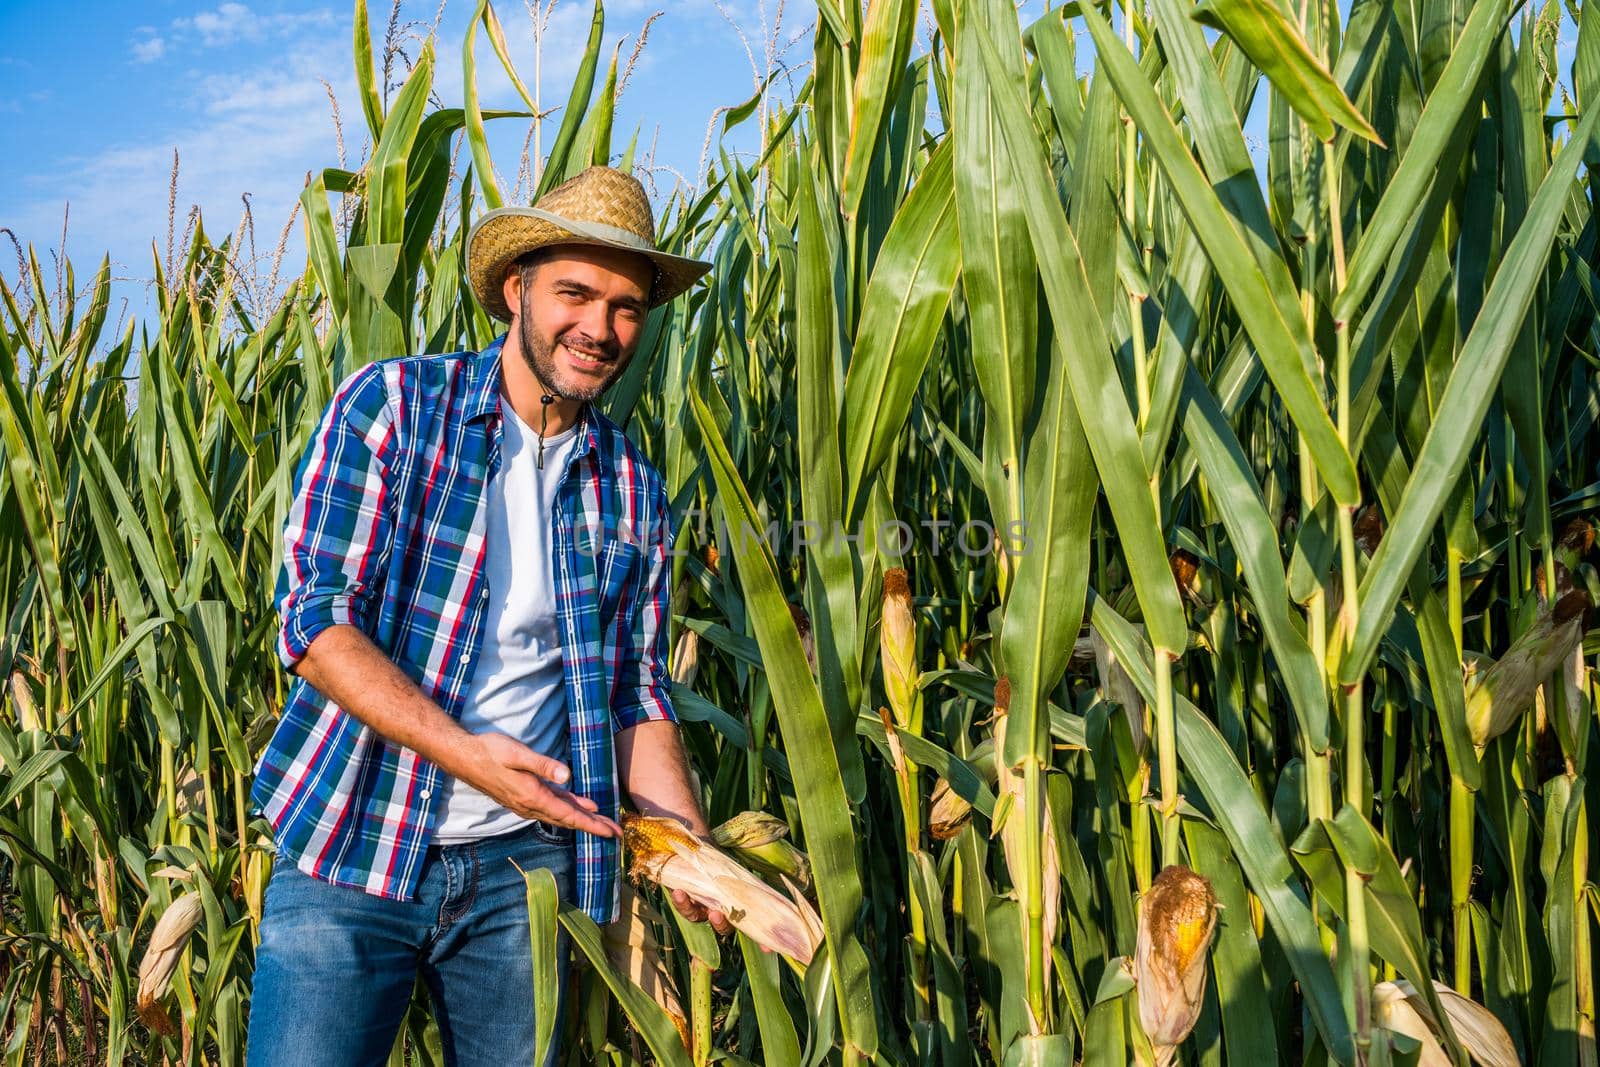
1134, 586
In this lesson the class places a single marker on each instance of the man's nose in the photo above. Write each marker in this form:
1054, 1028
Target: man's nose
597, 322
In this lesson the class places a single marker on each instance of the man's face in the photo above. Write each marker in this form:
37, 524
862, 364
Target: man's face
581, 315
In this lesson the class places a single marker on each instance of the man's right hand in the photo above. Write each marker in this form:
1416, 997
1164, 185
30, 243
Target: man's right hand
346, 667
530, 784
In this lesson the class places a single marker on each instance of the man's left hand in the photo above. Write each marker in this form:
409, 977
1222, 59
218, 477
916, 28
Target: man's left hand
661, 784
696, 912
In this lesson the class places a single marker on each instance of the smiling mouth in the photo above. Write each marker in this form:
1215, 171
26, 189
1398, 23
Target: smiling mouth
588, 359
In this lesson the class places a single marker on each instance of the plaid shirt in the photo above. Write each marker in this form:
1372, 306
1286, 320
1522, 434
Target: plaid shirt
386, 532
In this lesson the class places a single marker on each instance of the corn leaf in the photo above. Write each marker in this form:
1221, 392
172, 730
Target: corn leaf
1282, 342
1096, 392
1262, 30
1259, 850
646, 1015
819, 783
885, 46
1450, 103
1465, 401
900, 315
558, 166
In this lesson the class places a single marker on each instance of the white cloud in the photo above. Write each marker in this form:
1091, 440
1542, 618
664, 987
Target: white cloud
258, 127
149, 50
257, 130
234, 22
262, 120
225, 25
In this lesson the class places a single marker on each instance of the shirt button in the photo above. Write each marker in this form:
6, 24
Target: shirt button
426, 793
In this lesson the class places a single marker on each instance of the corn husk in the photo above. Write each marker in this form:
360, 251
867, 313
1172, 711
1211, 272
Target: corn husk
1577, 536
1498, 697
1010, 787
948, 811
1369, 528
666, 853
1575, 703
105, 885
190, 792
1186, 574
897, 645
632, 948
686, 658
259, 732
1117, 687
750, 829
807, 914
22, 700
1391, 1011
757, 839
808, 641
1400, 1008
1177, 919
167, 942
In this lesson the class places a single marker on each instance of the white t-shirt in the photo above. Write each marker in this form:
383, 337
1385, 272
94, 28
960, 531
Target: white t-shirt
517, 687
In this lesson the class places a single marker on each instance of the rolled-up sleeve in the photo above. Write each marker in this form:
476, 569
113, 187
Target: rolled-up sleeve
644, 683
339, 529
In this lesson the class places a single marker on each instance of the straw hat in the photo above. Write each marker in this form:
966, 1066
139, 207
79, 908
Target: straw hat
601, 206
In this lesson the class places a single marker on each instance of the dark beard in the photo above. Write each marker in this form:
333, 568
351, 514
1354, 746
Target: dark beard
540, 357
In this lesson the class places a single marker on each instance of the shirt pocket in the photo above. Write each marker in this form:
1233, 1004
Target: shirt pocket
614, 568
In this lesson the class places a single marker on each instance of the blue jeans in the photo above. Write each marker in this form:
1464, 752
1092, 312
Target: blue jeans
336, 966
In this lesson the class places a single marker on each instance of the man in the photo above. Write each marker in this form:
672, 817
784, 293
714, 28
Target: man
474, 597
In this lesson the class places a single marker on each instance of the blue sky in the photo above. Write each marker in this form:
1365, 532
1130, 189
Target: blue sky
95, 97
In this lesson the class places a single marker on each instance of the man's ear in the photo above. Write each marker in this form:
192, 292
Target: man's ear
511, 287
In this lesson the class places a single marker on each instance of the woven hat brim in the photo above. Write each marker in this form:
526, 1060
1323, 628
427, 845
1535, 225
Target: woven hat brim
506, 233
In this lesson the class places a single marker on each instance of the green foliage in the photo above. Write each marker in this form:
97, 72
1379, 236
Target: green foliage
1341, 422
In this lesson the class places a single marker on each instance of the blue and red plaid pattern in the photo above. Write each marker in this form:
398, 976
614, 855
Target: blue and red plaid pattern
385, 531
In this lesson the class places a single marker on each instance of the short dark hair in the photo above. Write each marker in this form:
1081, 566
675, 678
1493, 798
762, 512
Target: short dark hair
530, 261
